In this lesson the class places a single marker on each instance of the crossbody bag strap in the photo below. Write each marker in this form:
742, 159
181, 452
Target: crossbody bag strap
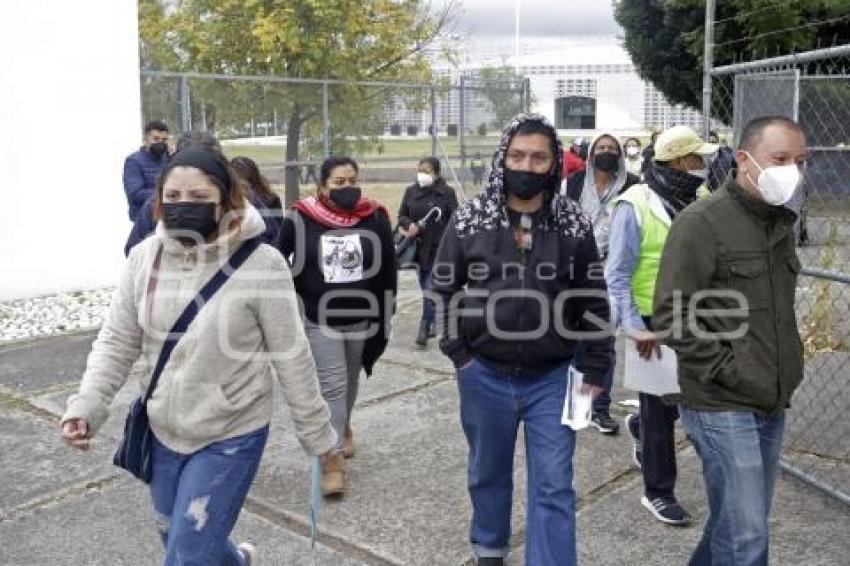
193, 308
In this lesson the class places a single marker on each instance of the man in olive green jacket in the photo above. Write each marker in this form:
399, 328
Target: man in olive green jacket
724, 300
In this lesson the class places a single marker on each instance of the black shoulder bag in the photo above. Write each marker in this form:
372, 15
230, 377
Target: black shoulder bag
134, 452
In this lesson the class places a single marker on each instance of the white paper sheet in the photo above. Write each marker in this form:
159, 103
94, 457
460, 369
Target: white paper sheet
577, 404
654, 376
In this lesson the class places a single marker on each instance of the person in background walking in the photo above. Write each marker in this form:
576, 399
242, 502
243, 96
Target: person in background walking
260, 193
145, 223
420, 199
476, 166
649, 151
210, 410
639, 227
739, 350
142, 168
634, 159
573, 163
343, 258
595, 189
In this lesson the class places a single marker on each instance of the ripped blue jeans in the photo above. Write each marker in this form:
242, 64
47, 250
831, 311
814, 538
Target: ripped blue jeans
197, 498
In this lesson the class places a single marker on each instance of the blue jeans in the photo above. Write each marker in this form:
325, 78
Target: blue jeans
428, 308
602, 402
197, 498
491, 408
740, 456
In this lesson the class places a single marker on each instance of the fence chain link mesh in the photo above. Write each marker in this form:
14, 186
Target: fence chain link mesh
387, 127
815, 91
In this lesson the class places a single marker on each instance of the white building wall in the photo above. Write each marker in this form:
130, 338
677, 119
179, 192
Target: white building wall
619, 103
70, 107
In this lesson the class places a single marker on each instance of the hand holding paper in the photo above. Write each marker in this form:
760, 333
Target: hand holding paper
657, 375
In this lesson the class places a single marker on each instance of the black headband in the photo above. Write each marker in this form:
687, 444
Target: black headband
206, 162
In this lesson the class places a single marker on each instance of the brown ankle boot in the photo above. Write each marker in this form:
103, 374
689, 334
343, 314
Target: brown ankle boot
348, 443
333, 474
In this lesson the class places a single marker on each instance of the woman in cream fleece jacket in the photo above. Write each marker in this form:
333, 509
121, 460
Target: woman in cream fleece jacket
211, 408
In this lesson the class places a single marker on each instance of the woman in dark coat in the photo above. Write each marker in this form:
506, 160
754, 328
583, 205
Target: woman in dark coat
429, 192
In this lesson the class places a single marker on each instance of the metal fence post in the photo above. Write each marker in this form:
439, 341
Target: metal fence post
462, 129
707, 65
433, 121
526, 95
326, 121
185, 105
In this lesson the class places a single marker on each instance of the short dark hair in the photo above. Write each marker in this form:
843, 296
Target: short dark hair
713, 133
752, 133
536, 127
331, 163
157, 125
197, 138
637, 141
433, 162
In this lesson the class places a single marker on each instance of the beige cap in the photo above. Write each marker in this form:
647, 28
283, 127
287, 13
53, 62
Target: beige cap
680, 141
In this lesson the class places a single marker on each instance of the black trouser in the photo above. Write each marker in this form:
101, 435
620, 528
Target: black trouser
658, 446
658, 443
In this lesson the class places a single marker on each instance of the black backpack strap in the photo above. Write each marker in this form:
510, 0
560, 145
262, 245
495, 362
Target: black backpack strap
204, 295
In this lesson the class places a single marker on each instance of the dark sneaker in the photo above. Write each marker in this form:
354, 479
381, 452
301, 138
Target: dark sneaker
491, 561
667, 510
605, 423
634, 432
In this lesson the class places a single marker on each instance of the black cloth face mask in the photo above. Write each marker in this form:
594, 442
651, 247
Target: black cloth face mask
185, 218
346, 198
158, 149
606, 162
526, 185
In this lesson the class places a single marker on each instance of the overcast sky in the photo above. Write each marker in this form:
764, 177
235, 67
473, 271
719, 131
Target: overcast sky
493, 19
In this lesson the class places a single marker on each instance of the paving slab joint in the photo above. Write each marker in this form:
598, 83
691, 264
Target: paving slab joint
56, 497
11, 400
332, 540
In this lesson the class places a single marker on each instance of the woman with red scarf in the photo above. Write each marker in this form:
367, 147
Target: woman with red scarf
340, 247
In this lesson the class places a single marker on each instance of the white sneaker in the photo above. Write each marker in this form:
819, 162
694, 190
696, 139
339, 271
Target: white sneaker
249, 553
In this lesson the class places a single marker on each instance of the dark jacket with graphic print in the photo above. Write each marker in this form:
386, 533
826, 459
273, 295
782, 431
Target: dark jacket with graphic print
349, 273
490, 289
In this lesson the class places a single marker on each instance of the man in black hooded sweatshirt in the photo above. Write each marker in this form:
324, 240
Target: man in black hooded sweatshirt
526, 257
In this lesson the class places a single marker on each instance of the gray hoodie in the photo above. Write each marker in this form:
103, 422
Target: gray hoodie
598, 208
218, 381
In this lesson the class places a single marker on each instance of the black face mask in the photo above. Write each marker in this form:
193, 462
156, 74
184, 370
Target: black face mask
158, 149
190, 217
346, 198
526, 185
607, 162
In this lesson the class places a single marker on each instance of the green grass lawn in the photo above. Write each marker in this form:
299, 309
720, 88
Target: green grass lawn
403, 149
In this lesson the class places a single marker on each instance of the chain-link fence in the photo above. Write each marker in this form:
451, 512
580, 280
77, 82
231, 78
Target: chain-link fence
812, 88
289, 125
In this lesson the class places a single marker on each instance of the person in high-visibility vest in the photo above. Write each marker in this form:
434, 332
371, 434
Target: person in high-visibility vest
639, 227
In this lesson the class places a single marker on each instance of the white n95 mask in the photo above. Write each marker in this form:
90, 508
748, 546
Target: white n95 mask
424, 179
777, 183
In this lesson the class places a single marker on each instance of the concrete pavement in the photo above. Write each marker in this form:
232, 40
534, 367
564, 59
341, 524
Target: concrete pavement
406, 503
